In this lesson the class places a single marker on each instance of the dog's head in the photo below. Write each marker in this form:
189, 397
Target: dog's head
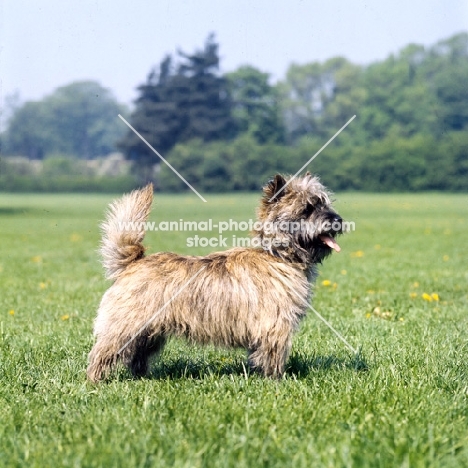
296, 220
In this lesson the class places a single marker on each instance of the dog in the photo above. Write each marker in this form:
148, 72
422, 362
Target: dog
252, 297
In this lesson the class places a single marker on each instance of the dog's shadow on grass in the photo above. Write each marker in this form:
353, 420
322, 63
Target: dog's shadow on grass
302, 366
299, 367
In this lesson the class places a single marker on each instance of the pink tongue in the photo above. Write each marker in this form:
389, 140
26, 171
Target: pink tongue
330, 242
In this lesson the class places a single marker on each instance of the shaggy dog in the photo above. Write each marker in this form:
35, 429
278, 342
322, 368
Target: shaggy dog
243, 297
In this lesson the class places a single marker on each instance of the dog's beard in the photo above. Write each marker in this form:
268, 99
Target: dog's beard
319, 248
300, 247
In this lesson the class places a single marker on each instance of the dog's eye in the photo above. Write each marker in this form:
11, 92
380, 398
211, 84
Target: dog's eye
309, 209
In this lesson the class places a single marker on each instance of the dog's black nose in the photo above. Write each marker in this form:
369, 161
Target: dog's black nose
336, 223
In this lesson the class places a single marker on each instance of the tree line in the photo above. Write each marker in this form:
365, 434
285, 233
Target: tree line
233, 131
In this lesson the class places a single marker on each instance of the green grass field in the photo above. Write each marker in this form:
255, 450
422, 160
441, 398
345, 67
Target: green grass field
398, 289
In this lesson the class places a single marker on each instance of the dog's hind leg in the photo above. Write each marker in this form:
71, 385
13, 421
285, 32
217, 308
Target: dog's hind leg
102, 359
134, 353
270, 355
138, 356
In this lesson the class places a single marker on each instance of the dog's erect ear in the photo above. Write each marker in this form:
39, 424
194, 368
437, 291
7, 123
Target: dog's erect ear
308, 173
273, 187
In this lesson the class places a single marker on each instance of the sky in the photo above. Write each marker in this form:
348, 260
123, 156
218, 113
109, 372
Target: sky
50, 43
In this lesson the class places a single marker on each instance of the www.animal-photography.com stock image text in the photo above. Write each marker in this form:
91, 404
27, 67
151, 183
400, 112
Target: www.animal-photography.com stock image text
233, 234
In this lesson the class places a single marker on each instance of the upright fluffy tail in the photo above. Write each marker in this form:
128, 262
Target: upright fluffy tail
124, 231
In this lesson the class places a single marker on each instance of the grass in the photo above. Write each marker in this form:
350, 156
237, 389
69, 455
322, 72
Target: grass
402, 402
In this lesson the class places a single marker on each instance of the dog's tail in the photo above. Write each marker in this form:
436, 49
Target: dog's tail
123, 231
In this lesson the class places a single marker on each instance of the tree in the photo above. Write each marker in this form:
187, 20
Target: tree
449, 82
156, 118
255, 105
27, 133
85, 115
203, 95
179, 103
301, 100
80, 120
318, 97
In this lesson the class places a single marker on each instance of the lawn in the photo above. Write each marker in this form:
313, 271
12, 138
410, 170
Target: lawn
397, 291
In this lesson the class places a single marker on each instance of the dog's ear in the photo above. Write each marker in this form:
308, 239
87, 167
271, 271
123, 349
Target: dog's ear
274, 189
308, 173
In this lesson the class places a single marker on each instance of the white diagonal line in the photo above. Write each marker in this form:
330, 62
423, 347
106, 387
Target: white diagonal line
162, 159
160, 310
329, 325
326, 322
313, 157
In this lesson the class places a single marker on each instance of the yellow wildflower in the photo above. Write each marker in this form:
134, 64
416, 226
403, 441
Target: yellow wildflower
427, 297
413, 295
415, 284
344, 272
43, 285
65, 317
435, 296
11, 312
36, 259
445, 258
326, 283
357, 254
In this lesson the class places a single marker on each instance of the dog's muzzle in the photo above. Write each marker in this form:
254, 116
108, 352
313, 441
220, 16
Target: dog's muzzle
335, 227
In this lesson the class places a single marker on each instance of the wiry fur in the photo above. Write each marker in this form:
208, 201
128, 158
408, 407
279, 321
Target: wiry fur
248, 297
120, 247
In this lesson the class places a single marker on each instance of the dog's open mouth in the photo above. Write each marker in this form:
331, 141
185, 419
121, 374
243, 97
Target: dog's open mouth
330, 242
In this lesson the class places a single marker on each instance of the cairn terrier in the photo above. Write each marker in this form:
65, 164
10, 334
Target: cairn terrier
243, 297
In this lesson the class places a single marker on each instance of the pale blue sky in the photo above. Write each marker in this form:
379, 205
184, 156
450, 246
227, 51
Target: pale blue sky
49, 43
